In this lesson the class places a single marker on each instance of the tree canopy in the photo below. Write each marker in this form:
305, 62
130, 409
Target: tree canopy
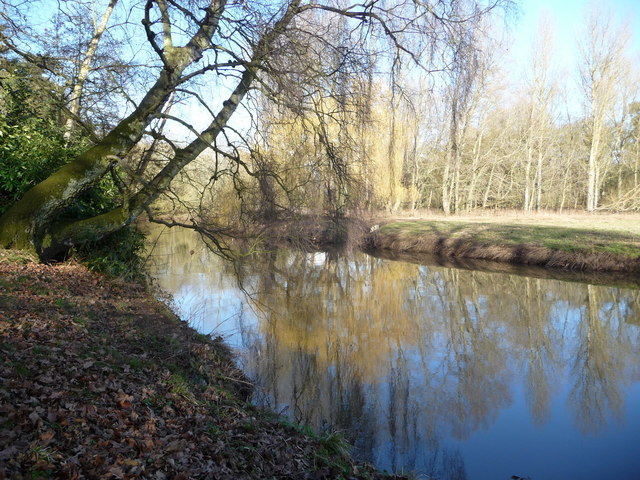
130, 73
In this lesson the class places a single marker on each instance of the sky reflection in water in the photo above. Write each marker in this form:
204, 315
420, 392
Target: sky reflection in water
452, 373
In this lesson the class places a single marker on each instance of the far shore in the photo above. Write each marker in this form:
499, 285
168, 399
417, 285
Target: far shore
596, 242
572, 241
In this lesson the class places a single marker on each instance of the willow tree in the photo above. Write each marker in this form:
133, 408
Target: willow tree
216, 53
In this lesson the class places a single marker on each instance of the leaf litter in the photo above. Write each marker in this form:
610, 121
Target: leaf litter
98, 379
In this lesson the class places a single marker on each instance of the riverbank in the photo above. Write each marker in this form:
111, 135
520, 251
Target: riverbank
579, 242
317, 232
576, 242
101, 380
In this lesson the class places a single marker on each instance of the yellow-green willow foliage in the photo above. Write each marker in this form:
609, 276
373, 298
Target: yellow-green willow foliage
344, 154
391, 137
212, 189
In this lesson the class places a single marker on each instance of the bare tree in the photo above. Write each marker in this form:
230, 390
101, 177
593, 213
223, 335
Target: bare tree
244, 47
85, 66
603, 49
466, 67
542, 90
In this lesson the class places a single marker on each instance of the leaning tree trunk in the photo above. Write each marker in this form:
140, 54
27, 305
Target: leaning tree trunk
24, 225
60, 237
85, 68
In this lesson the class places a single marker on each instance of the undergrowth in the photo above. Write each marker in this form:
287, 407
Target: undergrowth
119, 254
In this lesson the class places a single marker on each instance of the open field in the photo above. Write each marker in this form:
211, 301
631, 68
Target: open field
619, 222
573, 241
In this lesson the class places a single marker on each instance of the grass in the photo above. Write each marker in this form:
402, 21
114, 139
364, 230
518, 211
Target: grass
15, 256
214, 430
179, 385
556, 233
63, 304
333, 447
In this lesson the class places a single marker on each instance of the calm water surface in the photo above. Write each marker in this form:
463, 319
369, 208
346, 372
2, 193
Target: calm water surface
454, 374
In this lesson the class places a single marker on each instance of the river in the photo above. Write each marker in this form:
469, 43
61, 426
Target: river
449, 373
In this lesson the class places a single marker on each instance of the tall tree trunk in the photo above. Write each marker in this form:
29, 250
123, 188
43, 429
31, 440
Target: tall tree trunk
527, 201
475, 172
592, 168
446, 174
487, 191
85, 68
636, 168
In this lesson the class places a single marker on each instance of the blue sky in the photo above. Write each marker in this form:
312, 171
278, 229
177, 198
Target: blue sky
567, 17
567, 20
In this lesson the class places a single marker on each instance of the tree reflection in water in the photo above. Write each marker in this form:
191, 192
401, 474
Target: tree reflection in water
410, 360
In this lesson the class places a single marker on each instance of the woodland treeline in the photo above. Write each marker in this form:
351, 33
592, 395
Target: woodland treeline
215, 113
481, 135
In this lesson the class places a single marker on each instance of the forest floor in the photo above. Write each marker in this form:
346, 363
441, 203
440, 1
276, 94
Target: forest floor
572, 241
98, 379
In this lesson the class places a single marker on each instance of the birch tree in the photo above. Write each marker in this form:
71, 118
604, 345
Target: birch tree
541, 92
85, 66
603, 67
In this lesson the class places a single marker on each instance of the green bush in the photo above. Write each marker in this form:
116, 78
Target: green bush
32, 143
119, 254
32, 147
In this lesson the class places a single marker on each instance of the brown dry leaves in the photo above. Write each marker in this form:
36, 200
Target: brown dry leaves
98, 380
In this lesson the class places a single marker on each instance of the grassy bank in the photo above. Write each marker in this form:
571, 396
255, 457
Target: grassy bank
100, 380
573, 242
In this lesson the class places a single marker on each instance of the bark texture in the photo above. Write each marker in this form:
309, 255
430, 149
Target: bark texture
60, 237
25, 224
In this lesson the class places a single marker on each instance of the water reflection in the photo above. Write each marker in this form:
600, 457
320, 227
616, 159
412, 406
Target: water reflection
431, 369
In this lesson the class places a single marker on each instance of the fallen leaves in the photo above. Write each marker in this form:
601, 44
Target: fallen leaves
98, 380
